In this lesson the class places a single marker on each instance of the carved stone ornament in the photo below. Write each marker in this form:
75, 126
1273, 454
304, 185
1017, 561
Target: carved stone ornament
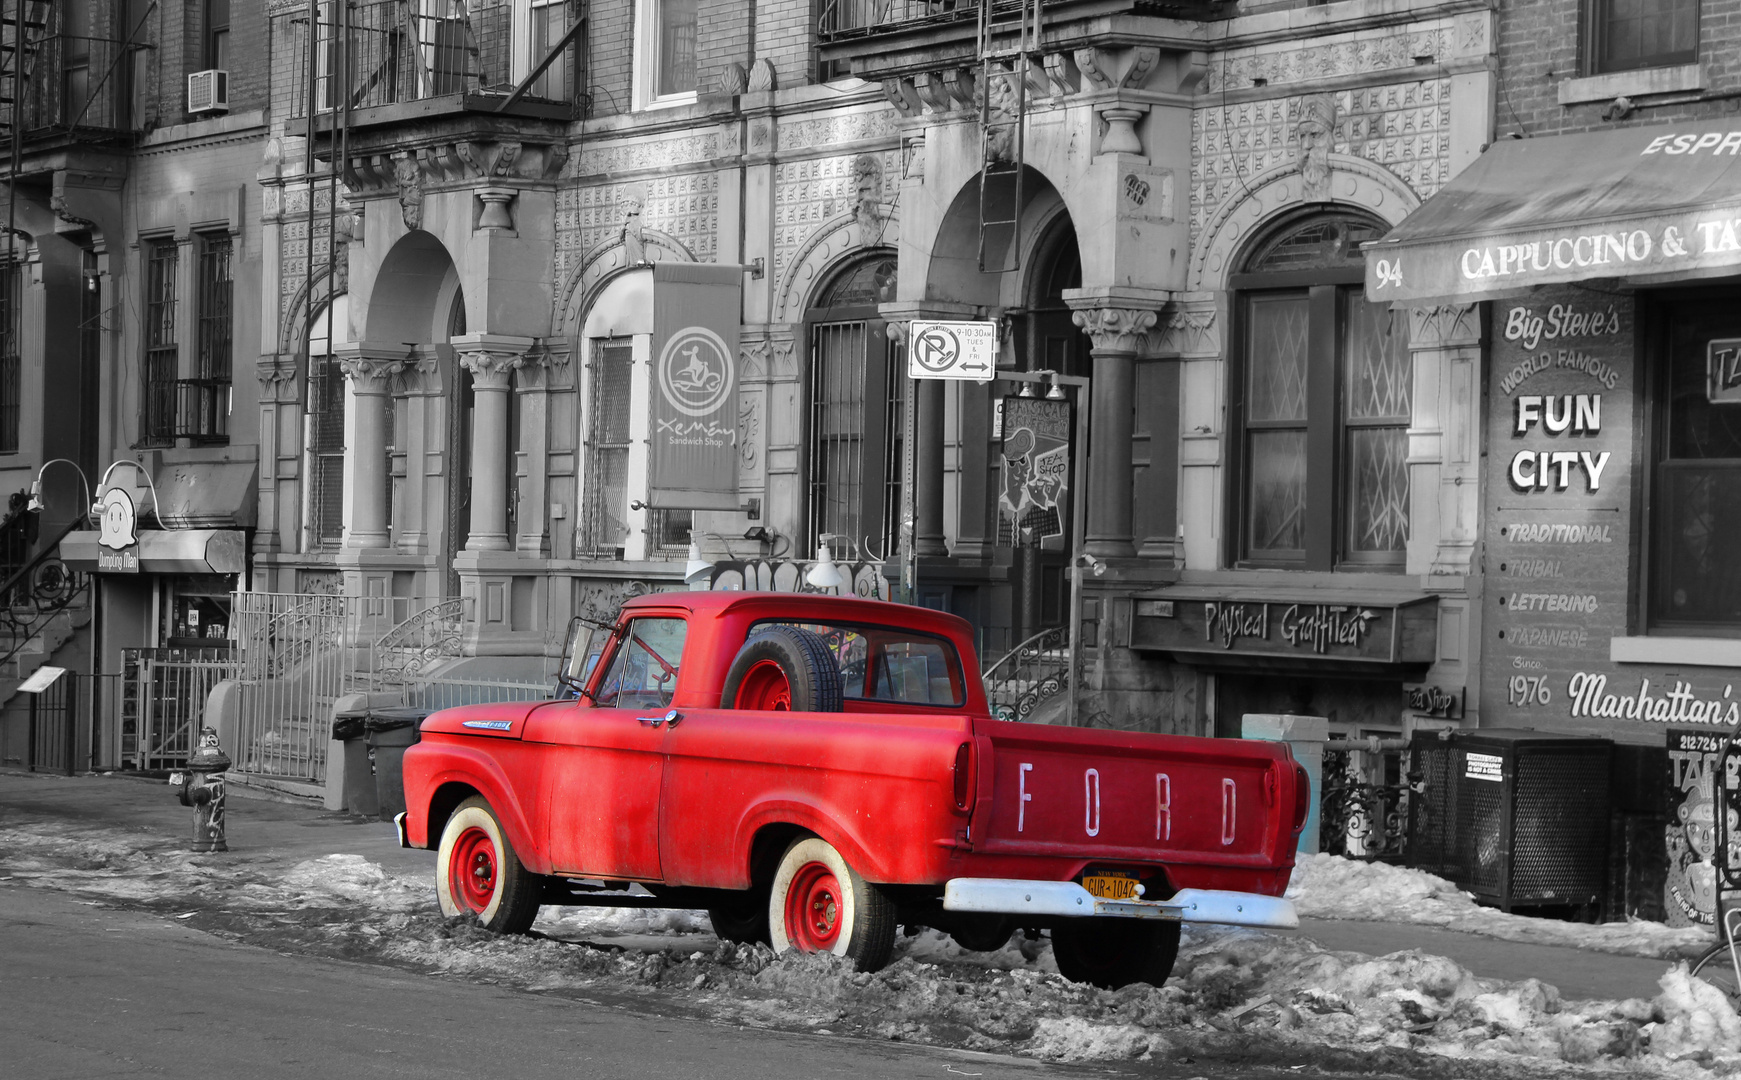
733, 79
1115, 329
1444, 326
495, 211
868, 214
369, 374
1315, 133
903, 95
490, 367
409, 179
633, 235
275, 369
763, 77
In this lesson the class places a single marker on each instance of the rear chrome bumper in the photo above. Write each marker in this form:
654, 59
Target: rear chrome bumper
1010, 896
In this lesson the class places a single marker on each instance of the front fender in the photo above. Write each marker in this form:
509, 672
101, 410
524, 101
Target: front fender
430, 765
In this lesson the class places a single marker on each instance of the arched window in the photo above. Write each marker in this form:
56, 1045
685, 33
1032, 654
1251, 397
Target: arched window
324, 494
856, 393
1320, 392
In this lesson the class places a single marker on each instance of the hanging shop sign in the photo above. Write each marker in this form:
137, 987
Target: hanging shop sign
117, 533
692, 459
1223, 629
1036, 471
1558, 519
1632, 203
952, 350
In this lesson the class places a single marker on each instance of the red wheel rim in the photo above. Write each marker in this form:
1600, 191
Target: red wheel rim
472, 869
814, 909
765, 687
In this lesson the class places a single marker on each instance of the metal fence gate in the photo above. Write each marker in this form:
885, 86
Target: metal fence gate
163, 702
296, 660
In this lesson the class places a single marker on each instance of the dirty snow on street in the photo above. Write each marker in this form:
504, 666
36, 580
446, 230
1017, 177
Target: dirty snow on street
1234, 992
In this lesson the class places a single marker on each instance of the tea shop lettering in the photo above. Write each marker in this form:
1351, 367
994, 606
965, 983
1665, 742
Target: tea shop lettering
1304, 626
1558, 470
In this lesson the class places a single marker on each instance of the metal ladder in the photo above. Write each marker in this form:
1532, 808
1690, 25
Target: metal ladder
1004, 80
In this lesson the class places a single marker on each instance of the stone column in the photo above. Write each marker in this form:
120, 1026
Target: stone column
370, 366
531, 471
490, 358
1117, 327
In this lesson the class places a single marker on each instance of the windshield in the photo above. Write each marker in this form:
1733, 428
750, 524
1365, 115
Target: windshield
879, 663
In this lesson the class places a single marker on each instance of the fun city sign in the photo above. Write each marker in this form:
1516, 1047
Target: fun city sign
1648, 202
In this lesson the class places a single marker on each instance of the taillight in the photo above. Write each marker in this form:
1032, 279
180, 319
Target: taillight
962, 763
1302, 796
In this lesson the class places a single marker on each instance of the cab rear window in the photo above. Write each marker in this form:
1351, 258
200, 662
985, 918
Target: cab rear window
880, 663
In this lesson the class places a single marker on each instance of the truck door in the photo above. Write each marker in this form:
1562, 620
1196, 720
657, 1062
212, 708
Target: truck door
606, 759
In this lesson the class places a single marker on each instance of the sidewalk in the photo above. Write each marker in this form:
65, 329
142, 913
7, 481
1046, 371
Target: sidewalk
260, 831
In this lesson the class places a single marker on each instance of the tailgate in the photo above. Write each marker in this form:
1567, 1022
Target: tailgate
1125, 795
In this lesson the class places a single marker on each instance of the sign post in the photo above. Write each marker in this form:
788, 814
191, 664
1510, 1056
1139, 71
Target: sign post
938, 350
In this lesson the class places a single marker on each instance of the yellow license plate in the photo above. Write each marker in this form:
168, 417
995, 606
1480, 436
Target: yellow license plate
1109, 887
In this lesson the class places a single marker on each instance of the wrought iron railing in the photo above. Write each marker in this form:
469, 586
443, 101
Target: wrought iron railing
1364, 804
390, 53
1023, 680
74, 83
38, 590
202, 410
841, 19
426, 639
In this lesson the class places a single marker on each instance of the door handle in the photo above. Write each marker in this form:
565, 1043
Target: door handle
670, 719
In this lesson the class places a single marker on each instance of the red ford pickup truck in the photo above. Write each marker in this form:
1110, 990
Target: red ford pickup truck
816, 771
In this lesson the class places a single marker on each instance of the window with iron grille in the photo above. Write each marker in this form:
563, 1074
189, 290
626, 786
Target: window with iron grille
9, 386
1321, 401
605, 510
162, 264
326, 429
856, 394
204, 406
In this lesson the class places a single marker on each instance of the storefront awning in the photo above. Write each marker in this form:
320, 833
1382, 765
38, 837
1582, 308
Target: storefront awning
161, 551
1652, 203
207, 495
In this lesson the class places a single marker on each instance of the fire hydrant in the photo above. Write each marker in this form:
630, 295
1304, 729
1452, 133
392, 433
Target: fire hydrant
202, 787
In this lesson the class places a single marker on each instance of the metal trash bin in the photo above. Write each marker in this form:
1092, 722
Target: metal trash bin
350, 728
1530, 818
390, 732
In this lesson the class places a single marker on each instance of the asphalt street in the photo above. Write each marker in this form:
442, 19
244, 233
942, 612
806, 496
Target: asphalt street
92, 992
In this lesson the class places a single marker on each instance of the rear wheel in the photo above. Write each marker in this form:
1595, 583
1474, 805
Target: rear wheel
745, 923
783, 669
819, 903
478, 874
1717, 967
1110, 953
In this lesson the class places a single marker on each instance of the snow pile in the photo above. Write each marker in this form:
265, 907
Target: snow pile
572, 922
1332, 887
1699, 1022
356, 880
1071, 1039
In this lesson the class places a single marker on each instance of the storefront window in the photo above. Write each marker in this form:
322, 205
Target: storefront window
1696, 504
1322, 397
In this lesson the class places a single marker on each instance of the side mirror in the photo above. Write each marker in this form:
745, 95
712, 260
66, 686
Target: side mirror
580, 655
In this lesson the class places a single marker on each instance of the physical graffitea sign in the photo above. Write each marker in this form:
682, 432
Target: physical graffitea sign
692, 458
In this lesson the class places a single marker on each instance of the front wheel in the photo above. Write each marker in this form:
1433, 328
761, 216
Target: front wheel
478, 874
1110, 953
1717, 967
819, 903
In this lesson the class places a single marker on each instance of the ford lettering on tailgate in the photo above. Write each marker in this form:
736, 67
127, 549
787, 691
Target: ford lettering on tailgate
1078, 801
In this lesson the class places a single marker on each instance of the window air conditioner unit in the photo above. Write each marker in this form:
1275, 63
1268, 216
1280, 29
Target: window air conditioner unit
208, 91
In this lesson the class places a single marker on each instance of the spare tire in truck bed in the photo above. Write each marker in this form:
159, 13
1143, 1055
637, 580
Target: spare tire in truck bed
783, 668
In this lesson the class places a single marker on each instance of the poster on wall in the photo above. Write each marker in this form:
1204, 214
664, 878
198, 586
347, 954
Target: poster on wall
1690, 891
1559, 508
692, 452
1036, 471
